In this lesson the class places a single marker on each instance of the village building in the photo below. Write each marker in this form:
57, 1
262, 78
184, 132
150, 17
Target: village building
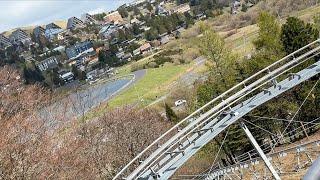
114, 17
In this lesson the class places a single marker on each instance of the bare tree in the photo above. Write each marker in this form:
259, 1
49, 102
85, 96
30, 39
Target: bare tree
32, 149
22, 136
99, 148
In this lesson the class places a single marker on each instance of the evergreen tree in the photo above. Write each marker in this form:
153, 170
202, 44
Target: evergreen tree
32, 76
121, 36
81, 75
268, 45
136, 29
236, 141
102, 57
56, 79
295, 34
151, 34
189, 19
171, 115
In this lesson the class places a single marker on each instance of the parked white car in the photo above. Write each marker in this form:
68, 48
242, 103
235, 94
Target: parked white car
180, 102
93, 81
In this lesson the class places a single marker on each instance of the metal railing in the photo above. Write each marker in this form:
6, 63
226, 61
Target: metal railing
181, 131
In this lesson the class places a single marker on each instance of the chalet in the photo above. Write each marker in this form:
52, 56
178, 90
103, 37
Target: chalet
183, 8
4, 42
88, 19
145, 48
120, 54
127, 57
114, 17
66, 76
162, 35
19, 36
135, 21
38, 32
161, 11
136, 52
145, 28
85, 58
48, 63
74, 23
52, 26
52, 34
108, 30
60, 49
78, 49
164, 40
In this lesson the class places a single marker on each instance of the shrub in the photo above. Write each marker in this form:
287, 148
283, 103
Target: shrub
136, 67
152, 65
160, 60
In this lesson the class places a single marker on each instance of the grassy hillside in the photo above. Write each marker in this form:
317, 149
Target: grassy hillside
155, 83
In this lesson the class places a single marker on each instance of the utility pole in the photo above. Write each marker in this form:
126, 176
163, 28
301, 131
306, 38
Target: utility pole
260, 151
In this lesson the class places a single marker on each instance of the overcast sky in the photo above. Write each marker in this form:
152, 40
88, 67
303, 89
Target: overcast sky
18, 13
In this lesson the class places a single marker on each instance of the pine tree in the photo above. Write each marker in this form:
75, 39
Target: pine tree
295, 34
171, 115
102, 57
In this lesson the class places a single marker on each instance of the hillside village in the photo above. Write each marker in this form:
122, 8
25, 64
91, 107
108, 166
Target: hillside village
175, 82
93, 45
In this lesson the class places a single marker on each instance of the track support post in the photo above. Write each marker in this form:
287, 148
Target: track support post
260, 151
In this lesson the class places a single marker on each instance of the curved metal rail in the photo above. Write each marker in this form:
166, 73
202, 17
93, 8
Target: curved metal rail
177, 145
254, 161
253, 157
313, 172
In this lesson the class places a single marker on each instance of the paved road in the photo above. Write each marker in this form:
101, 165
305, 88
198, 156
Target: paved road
139, 75
79, 102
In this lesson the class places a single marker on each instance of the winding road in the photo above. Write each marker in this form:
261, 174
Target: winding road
81, 101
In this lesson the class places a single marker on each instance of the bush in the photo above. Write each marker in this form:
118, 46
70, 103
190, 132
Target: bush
136, 67
182, 61
232, 32
160, 60
152, 65
171, 115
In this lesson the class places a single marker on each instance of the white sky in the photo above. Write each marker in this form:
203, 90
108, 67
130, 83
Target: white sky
19, 13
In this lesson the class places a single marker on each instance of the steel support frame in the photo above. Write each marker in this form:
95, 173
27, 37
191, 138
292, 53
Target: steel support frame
260, 151
172, 164
219, 125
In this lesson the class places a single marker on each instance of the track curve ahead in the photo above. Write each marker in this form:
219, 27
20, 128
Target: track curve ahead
164, 156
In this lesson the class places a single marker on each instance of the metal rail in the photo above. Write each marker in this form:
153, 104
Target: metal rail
252, 156
253, 161
197, 125
313, 172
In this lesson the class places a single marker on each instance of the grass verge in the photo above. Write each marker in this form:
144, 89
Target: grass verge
154, 84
